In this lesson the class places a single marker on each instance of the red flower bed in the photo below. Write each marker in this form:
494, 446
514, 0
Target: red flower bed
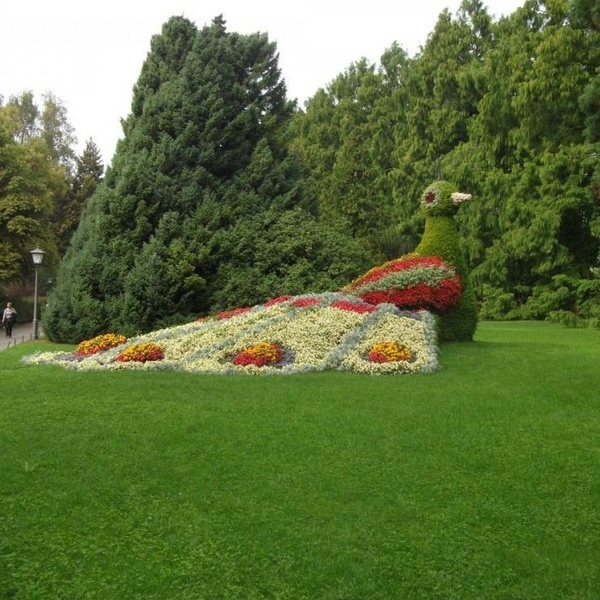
440, 298
277, 300
357, 307
304, 302
227, 314
437, 287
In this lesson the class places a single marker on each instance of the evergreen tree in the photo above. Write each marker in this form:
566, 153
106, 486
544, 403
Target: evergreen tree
344, 141
586, 14
88, 175
534, 221
204, 154
290, 252
443, 87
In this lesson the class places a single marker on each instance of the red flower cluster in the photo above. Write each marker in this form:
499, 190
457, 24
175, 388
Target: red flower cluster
304, 302
440, 298
374, 287
277, 300
357, 307
227, 314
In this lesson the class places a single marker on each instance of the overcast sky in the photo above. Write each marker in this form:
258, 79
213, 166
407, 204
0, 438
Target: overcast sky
89, 54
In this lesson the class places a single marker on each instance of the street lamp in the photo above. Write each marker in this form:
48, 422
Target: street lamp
37, 256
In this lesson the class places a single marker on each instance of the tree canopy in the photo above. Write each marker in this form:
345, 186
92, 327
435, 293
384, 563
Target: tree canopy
203, 164
223, 192
507, 110
43, 184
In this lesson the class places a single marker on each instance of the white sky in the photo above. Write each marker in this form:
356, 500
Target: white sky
89, 54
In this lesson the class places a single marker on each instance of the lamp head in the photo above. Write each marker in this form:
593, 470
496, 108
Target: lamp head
37, 256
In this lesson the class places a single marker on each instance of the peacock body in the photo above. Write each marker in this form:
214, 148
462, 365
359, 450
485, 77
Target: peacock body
383, 322
434, 277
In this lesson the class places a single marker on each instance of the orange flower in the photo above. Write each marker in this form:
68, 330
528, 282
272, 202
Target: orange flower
259, 355
383, 352
99, 343
141, 353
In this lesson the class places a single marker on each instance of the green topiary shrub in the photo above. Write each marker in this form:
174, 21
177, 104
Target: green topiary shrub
440, 202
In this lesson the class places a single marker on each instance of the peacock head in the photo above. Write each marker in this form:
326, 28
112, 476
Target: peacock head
441, 199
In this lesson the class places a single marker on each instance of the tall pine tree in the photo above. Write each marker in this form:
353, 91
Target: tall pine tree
88, 175
204, 155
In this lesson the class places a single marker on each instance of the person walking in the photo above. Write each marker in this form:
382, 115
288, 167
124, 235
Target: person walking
9, 317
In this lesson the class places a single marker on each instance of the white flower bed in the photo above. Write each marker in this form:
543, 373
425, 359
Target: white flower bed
312, 338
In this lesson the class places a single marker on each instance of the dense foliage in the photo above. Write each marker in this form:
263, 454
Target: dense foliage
222, 193
509, 111
203, 206
43, 185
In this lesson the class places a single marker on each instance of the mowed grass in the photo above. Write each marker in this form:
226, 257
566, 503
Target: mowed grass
480, 481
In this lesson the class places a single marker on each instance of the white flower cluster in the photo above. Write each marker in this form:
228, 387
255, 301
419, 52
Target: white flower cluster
312, 338
415, 335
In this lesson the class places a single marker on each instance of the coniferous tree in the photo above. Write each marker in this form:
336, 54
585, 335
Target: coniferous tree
586, 14
204, 154
535, 214
88, 175
506, 110
343, 139
443, 87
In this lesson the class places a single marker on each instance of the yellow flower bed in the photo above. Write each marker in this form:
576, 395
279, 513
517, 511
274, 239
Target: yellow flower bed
146, 352
100, 343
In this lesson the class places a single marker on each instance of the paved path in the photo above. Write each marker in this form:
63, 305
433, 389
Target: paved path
22, 332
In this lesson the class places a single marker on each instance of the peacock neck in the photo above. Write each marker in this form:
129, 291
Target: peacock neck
440, 238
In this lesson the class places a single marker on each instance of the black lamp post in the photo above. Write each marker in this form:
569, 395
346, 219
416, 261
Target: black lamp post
37, 256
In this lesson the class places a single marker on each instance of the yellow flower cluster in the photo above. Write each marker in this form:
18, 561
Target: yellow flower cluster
141, 353
100, 343
259, 354
389, 352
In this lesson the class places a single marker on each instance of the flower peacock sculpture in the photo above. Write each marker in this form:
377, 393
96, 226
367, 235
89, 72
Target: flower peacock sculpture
435, 275
387, 321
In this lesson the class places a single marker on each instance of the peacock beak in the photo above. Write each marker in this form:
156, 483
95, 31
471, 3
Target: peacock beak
459, 197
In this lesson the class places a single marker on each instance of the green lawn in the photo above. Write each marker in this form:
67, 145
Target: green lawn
480, 481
